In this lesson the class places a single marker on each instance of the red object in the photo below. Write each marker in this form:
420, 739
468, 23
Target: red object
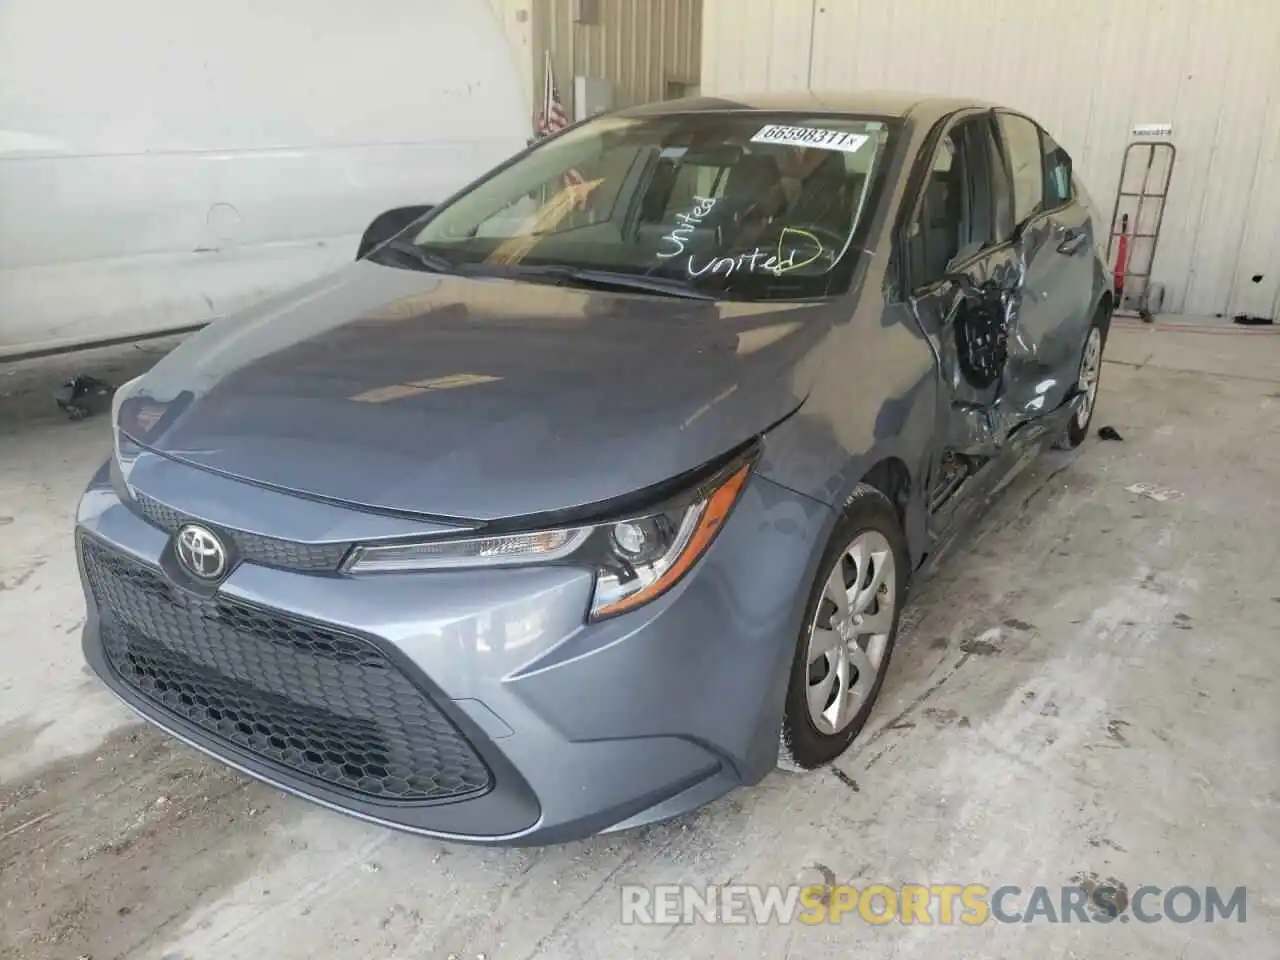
1122, 257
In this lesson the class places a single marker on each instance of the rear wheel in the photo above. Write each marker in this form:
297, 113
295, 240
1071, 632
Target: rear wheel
851, 623
1087, 379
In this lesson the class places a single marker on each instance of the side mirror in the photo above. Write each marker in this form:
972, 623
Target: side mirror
387, 225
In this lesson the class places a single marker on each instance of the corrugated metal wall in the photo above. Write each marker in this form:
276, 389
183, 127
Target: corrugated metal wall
637, 45
1088, 70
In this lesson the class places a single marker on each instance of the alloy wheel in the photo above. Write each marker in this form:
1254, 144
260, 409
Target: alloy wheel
1090, 370
850, 632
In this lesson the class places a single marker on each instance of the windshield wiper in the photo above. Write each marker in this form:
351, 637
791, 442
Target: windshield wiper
419, 256
603, 280
558, 274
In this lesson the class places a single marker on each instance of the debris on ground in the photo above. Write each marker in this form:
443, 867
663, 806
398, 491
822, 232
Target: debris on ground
1153, 492
83, 396
1109, 433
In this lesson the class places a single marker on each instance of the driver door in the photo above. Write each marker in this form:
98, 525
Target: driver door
964, 281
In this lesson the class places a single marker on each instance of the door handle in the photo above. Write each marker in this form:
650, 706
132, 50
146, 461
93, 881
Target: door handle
1073, 241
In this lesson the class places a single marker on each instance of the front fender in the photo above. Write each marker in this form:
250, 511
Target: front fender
825, 451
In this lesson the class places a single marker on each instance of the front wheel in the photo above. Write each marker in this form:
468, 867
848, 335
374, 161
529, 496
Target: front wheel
851, 623
1087, 379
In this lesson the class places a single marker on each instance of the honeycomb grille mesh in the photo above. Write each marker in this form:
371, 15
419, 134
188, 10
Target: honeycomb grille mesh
313, 700
268, 551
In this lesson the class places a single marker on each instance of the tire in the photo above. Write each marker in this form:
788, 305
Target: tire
868, 529
1078, 426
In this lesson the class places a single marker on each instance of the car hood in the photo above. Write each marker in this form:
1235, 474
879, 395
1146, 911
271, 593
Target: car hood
474, 398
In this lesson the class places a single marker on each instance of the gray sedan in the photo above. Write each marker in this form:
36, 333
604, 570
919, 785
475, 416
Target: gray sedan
595, 491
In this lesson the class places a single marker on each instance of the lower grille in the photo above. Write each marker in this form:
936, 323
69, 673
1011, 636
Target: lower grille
313, 700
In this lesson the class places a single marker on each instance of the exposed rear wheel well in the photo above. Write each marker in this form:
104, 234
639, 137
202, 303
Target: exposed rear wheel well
892, 478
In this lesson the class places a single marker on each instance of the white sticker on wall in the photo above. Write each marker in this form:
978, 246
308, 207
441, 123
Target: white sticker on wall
1153, 129
814, 137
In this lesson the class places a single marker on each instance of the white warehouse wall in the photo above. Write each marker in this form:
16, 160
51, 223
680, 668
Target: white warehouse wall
517, 21
1088, 70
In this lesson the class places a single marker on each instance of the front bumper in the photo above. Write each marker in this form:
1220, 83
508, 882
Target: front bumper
470, 705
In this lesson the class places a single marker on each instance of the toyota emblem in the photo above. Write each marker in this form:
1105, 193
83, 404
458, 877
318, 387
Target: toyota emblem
200, 552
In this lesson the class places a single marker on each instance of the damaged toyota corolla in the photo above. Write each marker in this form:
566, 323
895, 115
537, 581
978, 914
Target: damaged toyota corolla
595, 491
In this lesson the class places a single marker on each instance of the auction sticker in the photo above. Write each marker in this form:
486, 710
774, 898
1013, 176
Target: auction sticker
810, 137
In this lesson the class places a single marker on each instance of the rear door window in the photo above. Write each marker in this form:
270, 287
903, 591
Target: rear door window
1057, 174
1026, 165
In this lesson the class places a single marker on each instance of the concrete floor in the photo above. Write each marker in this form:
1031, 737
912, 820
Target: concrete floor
1088, 690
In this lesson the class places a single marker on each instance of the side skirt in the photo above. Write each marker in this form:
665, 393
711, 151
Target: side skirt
958, 515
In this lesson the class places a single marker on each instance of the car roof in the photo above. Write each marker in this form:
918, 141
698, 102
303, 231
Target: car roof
881, 103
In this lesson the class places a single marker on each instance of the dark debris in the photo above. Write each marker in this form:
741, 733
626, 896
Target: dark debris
84, 396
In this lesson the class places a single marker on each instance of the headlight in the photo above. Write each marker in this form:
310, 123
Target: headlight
644, 557
518, 548
635, 560
118, 398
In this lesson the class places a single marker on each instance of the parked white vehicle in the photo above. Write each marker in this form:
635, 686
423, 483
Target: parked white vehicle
162, 164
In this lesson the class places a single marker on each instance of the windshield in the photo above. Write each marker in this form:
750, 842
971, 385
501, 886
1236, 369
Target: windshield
734, 205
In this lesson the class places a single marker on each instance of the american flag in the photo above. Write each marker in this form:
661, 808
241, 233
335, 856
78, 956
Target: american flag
552, 118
